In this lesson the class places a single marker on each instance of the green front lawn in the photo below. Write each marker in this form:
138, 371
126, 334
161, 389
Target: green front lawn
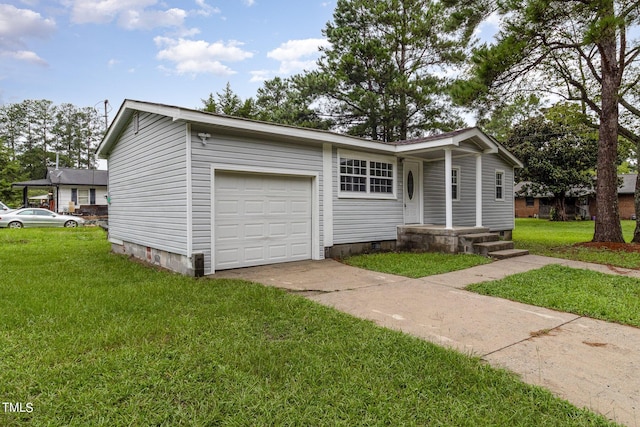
91, 338
415, 264
558, 239
582, 292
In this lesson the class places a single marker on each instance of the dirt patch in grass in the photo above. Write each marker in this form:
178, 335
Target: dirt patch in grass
612, 246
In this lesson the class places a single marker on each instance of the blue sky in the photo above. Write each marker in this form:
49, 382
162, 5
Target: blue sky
172, 52
167, 51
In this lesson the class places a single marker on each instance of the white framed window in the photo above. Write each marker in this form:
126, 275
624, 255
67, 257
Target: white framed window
83, 196
499, 185
455, 183
363, 175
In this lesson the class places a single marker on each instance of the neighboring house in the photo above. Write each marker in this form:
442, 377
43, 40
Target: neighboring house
580, 203
198, 192
626, 192
70, 190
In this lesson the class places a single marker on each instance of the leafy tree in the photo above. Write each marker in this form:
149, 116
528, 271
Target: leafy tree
383, 70
507, 114
558, 152
577, 49
32, 132
10, 172
12, 123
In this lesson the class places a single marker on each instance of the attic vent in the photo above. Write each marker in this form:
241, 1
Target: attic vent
136, 122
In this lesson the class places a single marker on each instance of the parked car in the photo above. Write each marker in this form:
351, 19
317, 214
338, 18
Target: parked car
37, 217
5, 209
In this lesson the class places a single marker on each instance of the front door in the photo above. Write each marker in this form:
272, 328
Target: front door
412, 192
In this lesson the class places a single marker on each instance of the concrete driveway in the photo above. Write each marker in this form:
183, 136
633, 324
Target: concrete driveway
588, 362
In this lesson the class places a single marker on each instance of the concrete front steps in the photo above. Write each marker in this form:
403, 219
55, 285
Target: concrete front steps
489, 245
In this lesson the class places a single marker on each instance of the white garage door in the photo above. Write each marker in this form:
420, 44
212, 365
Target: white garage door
261, 219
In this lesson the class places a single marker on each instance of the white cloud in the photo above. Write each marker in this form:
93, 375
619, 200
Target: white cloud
130, 14
260, 76
146, 20
25, 56
297, 55
19, 25
199, 56
205, 9
113, 62
249, 2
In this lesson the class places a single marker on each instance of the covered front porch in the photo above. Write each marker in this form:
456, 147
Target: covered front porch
453, 240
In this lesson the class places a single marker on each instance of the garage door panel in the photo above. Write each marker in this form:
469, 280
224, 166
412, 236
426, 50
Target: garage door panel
277, 207
278, 230
261, 219
254, 253
252, 231
227, 207
254, 207
226, 232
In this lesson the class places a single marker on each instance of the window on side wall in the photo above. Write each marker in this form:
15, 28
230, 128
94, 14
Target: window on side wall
499, 185
455, 183
83, 197
366, 176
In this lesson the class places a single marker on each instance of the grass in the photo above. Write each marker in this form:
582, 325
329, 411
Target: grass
415, 264
557, 239
582, 292
90, 338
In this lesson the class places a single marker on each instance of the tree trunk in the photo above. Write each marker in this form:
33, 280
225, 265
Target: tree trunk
561, 209
636, 202
608, 227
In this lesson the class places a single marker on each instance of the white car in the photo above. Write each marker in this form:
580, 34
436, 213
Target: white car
4, 208
37, 217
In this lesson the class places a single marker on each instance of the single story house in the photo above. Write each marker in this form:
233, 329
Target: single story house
580, 202
70, 190
198, 192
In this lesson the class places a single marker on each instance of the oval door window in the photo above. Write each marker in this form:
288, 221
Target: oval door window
410, 185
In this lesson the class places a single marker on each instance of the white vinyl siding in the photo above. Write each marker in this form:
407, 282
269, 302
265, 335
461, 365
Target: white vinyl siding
148, 183
243, 153
497, 215
366, 219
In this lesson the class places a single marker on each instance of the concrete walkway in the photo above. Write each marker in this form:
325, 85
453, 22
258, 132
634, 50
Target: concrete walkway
588, 362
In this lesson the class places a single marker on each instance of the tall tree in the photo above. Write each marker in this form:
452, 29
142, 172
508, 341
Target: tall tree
229, 103
577, 49
13, 120
558, 152
383, 69
508, 113
286, 101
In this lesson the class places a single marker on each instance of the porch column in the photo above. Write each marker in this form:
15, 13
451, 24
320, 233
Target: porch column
447, 190
478, 190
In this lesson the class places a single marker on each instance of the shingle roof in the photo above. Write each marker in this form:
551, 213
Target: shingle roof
69, 176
